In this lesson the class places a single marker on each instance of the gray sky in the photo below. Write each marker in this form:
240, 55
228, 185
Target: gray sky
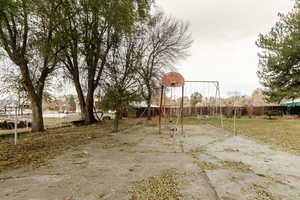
224, 33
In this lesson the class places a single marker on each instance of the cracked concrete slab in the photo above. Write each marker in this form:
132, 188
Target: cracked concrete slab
108, 168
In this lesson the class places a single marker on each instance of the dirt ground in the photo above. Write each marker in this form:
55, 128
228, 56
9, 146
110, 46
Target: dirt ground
211, 164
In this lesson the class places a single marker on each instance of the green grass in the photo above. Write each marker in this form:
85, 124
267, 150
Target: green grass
56, 122
282, 134
49, 123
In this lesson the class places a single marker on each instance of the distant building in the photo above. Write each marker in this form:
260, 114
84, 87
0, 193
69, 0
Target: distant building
60, 104
259, 99
256, 99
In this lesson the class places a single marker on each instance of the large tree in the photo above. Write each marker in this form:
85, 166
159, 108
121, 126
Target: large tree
280, 58
27, 35
164, 40
90, 29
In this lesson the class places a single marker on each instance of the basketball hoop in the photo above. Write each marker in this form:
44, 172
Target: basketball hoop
173, 79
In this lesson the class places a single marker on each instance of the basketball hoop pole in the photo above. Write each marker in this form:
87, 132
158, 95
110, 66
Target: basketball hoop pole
220, 104
181, 114
160, 108
173, 80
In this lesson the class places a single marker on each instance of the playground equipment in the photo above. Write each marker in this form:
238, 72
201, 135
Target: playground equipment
181, 98
172, 80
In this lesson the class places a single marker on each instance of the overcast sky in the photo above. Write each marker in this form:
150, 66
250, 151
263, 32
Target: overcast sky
224, 34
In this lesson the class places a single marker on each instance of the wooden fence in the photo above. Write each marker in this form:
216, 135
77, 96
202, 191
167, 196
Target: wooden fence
227, 111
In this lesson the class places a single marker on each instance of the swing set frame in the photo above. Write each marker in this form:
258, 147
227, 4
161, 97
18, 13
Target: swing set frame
174, 79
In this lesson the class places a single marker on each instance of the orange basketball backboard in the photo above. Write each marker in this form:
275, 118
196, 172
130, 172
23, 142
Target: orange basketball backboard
172, 79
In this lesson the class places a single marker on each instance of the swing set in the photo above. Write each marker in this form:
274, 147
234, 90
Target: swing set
175, 102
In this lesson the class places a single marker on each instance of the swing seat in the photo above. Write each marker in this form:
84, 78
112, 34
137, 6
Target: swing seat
173, 129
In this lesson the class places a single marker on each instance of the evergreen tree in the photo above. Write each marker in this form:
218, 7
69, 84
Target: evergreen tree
280, 58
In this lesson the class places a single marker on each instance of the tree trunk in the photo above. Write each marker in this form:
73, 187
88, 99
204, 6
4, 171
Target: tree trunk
80, 99
149, 114
86, 105
89, 115
37, 115
36, 97
116, 122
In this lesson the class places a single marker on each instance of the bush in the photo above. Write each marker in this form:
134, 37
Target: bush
250, 111
273, 113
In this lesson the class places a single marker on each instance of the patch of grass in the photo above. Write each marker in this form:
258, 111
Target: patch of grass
199, 149
261, 193
80, 155
11, 177
205, 165
281, 134
236, 178
20, 130
164, 187
56, 122
240, 166
231, 150
49, 123
34, 149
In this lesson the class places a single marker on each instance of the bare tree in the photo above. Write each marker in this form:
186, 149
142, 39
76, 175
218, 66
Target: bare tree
121, 85
165, 40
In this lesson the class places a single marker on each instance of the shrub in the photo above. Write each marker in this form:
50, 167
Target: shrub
273, 113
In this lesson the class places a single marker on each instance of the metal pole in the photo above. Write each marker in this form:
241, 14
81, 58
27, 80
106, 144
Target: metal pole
160, 108
220, 104
181, 114
234, 117
216, 102
16, 126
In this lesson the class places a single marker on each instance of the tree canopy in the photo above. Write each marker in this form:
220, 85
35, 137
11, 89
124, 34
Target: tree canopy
196, 98
118, 49
280, 58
